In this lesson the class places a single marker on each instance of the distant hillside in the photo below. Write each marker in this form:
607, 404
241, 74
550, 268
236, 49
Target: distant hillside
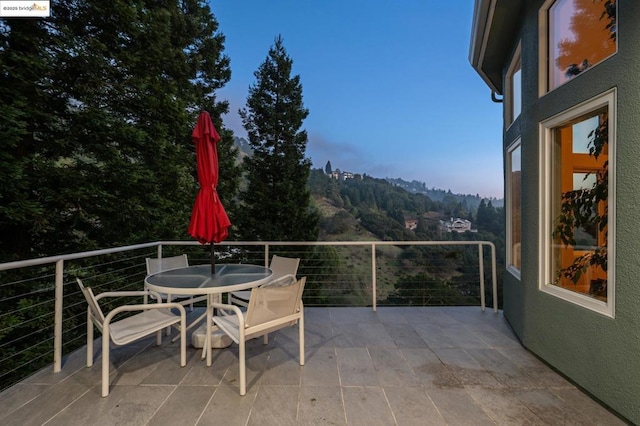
472, 202
353, 208
469, 201
417, 187
243, 147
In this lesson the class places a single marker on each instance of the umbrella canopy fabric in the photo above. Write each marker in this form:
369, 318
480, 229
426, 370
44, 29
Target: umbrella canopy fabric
209, 221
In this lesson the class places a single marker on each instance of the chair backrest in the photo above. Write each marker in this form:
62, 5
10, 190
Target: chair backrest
91, 301
282, 266
273, 300
165, 263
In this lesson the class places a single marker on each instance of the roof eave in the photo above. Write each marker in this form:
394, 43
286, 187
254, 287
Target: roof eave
495, 24
483, 11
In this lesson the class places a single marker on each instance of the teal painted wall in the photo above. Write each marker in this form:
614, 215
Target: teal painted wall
600, 354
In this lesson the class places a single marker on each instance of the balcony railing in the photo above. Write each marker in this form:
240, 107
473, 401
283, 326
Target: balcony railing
43, 314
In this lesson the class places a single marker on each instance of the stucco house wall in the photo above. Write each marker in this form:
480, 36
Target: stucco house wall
599, 353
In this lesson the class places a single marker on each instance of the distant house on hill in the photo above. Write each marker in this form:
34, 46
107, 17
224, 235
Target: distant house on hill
339, 175
411, 224
456, 225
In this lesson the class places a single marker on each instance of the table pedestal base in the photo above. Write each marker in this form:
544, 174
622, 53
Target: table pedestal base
219, 340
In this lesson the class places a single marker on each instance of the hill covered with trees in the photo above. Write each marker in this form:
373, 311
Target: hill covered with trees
436, 194
370, 209
383, 209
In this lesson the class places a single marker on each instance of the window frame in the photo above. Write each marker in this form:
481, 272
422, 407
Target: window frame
546, 135
544, 59
511, 267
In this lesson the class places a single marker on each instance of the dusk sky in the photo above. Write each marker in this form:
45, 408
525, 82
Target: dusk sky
388, 85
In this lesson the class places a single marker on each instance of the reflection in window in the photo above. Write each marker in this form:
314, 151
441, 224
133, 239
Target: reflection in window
579, 204
514, 87
517, 93
582, 33
581, 132
514, 234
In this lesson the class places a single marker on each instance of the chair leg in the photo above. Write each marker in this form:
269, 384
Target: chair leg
89, 341
105, 362
243, 367
183, 342
301, 337
168, 328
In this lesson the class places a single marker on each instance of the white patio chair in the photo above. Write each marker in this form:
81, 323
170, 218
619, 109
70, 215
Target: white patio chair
173, 262
280, 266
272, 306
153, 318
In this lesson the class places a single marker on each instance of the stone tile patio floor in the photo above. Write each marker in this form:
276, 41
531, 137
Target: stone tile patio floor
395, 366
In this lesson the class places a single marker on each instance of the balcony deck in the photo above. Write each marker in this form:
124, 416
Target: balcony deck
404, 366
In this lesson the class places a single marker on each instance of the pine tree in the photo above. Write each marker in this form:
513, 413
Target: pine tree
277, 201
328, 168
29, 105
98, 104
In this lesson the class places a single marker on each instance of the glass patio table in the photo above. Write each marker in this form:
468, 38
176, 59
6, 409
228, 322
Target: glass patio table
198, 280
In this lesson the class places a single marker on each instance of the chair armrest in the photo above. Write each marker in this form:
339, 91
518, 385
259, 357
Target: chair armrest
236, 310
127, 293
281, 280
143, 307
225, 307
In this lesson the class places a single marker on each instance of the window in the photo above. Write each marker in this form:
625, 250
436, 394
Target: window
514, 235
575, 35
514, 87
578, 203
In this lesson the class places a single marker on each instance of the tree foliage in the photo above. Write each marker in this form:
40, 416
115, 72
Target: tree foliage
98, 103
328, 170
382, 208
594, 23
276, 204
489, 218
377, 207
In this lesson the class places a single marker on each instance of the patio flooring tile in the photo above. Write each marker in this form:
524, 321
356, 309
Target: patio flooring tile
395, 366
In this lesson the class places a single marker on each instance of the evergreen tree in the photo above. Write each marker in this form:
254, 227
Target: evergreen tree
98, 103
328, 168
277, 201
29, 130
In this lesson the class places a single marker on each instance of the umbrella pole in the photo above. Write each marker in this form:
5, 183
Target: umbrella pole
213, 261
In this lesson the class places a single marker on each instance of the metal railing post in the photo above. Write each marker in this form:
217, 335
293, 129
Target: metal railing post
57, 325
495, 279
481, 267
159, 251
373, 276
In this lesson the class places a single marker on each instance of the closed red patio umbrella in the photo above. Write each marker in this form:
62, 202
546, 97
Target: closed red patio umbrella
209, 221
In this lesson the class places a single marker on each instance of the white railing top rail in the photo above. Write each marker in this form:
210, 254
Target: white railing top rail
80, 255
92, 253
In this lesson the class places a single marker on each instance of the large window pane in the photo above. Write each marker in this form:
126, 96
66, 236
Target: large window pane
582, 33
513, 104
514, 234
579, 204
517, 93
